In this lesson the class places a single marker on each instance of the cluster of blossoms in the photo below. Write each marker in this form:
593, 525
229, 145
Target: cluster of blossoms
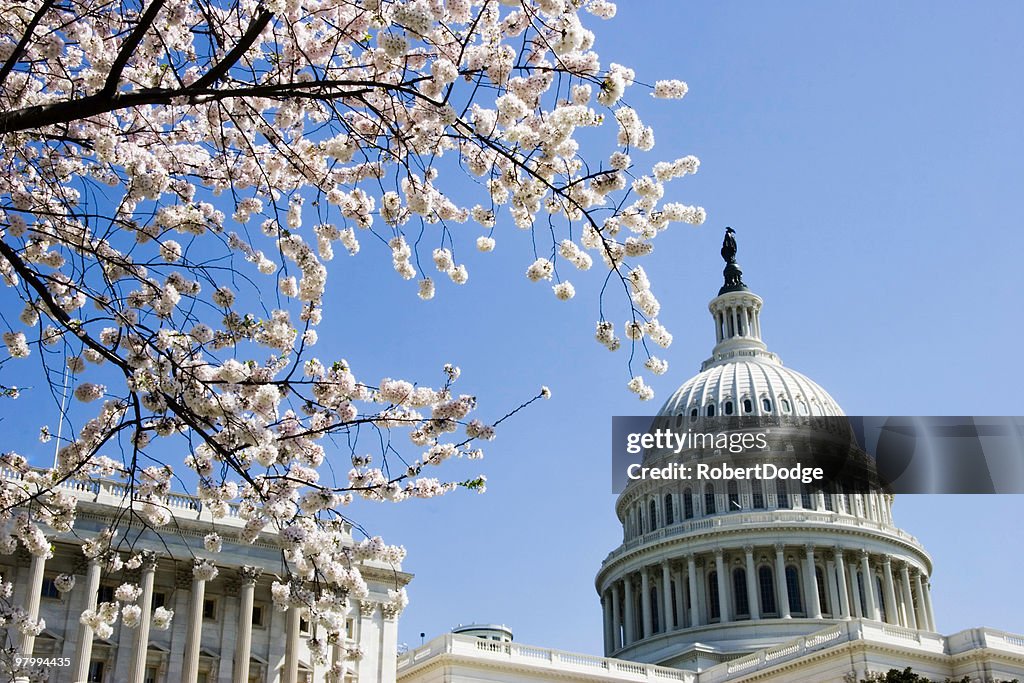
217, 204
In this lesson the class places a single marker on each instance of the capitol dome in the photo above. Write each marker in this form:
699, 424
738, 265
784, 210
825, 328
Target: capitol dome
711, 571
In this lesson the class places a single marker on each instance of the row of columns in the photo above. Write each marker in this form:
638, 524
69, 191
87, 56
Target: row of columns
637, 518
737, 321
190, 665
901, 604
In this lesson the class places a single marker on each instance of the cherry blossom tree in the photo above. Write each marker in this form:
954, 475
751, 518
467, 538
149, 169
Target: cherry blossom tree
179, 175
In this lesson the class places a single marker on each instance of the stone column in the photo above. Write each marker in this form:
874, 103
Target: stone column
138, 670
645, 603
243, 646
723, 595
908, 596
753, 598
928, 606
813, 603
666, 587
691, 581
780, 581
892, 613
606, 611
83, 653
630, 626
680, 600
844, 596
290, 672
870, 609
616, 618
35, 590
858, 606
190, 664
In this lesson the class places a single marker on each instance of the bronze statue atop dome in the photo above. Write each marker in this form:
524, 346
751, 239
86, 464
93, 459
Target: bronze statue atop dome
733, 274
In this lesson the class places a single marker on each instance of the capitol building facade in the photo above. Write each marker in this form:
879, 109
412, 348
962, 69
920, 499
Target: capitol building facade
741, 581
731, 581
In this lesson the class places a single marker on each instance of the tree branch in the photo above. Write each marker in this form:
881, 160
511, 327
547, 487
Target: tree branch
19, 50
221, 68
128, 47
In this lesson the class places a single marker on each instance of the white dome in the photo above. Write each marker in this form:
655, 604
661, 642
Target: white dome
770, 388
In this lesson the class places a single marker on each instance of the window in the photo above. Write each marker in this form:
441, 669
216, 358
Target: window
655, 621
757, 494
711, 410
767, 586
828, 500
151, 674
728, 407
653, 515
709, 499
669, 518
259, 615
766, 404
105, 594
210, 609
159, 600
782, 493
688, 504
785, 405
860, 591
796, 605
693, 415
734, 496
49, 590
739, 591
748, 405
878, 600
714, 609
805, 498
822, 593
303, 626
95, 672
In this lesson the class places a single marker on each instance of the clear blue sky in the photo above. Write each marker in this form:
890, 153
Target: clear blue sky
870, 156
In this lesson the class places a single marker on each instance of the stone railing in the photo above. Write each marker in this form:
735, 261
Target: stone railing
847, 631
116, 493
536, 658
760, 519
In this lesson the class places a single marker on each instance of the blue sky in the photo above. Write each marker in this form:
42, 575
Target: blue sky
870, 156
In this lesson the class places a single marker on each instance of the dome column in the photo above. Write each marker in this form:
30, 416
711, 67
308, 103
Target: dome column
870, 609
844, 598
908, 596
616, 619
813, 603
891, 612
666, 589
645, 602
928, 606
723, 597
691, 580
630, 616
606, 605
780, 581
858, 606
753, 600
680, 599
